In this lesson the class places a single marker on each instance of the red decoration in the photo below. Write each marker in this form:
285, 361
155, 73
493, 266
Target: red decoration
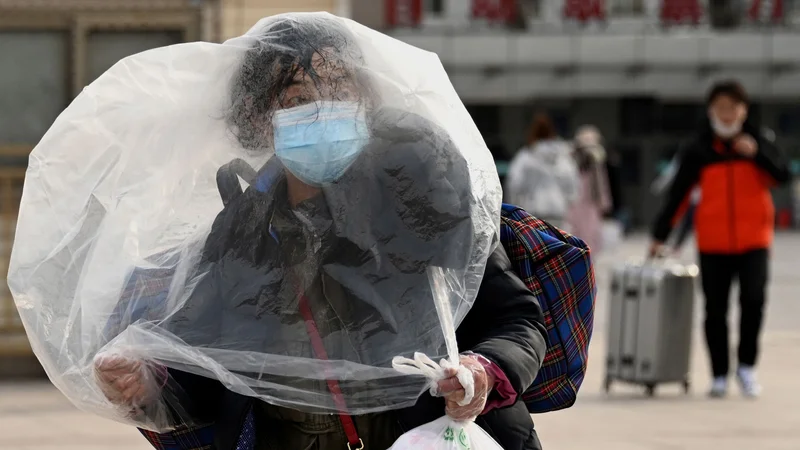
766, 9
784, 219
679, 11
585, 10
494, 10
403, 13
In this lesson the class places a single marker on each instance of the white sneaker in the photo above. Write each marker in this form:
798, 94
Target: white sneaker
748, 382
719, 387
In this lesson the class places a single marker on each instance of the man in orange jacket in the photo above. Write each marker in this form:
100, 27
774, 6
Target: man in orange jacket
734, 166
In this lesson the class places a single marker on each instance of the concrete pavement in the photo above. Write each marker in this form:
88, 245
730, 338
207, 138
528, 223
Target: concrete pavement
34, 416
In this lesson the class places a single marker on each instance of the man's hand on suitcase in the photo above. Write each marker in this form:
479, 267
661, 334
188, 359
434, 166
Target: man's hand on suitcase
657, 250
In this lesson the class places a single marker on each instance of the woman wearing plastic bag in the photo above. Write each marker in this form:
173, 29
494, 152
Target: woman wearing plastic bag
364, 235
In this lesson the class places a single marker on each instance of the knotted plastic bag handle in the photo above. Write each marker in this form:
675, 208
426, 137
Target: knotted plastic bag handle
423, 365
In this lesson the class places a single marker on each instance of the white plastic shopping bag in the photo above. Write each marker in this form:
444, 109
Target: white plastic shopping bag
446, 434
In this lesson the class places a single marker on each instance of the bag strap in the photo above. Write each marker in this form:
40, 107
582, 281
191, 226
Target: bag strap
353, 441
228, 179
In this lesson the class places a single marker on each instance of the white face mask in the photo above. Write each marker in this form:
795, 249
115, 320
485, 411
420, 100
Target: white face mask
725, 131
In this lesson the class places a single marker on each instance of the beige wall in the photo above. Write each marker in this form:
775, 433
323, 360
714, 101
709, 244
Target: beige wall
239, 15
369, 12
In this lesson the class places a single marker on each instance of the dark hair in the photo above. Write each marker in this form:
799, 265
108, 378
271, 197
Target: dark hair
281, 49
728, 88
541, 128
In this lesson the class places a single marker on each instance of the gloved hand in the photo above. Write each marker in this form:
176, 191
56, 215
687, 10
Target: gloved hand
128, 382
454, 393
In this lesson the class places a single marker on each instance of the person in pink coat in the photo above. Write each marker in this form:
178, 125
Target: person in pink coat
585, 216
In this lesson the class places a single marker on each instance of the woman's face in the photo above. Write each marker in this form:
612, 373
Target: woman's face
333, 82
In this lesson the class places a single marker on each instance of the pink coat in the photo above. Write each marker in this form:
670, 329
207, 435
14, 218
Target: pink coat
585, 216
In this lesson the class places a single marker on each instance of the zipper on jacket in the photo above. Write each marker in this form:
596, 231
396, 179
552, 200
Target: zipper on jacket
731, 206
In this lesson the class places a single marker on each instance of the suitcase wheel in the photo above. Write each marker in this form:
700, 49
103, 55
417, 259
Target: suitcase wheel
607, 384
651, 389
687, 386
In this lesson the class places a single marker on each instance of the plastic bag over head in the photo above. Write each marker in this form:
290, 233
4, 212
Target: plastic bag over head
297, 205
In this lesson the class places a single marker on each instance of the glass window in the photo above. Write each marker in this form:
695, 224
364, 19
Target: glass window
486, 117
681, 117
627, 7
562, 122
631, 158
531, 8
638, 115
754, 113
788, 118
34, 83
434, 6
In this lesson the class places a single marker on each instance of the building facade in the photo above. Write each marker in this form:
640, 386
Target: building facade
638, 69
239, 15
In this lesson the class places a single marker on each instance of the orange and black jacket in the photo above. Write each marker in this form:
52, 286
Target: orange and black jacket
735, 213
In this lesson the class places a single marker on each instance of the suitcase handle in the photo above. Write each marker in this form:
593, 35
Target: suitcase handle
631, 293
626, 360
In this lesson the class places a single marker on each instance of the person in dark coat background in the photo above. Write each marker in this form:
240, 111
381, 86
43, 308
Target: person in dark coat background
417, 185
734, 166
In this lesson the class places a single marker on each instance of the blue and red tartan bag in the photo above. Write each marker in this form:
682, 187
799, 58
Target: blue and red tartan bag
557, 268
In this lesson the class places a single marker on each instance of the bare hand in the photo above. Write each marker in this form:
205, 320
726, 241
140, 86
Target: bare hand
745, 145
454, 393
125, 381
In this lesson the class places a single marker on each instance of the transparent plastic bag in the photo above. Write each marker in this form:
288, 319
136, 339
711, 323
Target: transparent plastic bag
198, 206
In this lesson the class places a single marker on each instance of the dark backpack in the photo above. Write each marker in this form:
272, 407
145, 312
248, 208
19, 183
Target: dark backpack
557, 268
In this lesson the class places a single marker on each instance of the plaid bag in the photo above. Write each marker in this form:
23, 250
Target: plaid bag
557, 268
201, 437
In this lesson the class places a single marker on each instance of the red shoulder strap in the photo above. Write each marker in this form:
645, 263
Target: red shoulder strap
353, 441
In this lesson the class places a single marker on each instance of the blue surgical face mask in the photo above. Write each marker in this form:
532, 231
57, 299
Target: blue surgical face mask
318, 142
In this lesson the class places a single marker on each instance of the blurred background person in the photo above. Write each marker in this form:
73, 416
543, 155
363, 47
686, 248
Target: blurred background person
543, 176
585, 217
735, 166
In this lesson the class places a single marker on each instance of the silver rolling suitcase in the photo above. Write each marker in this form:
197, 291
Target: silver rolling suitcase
650, 326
